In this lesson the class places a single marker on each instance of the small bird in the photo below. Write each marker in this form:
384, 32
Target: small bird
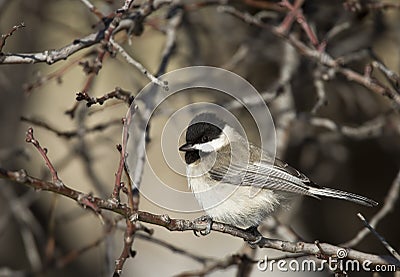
238, 183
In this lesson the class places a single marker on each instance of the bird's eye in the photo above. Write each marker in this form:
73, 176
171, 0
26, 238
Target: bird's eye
204, 139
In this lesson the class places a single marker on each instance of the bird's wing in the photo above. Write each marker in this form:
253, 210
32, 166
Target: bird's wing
261, 171
263, 174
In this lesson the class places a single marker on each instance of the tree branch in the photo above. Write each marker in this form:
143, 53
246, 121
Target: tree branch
181, 225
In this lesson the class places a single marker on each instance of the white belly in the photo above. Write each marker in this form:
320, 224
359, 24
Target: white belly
241, 206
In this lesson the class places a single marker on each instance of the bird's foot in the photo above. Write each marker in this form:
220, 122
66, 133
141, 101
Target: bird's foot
205, 219
253, 230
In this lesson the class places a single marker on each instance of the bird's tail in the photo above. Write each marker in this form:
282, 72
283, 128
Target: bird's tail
333, 193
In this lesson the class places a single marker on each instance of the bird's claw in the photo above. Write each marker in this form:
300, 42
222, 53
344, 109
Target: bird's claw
253, 243
201, 220
257, 234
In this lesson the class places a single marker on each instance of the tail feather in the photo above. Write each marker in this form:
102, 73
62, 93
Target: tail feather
333, 193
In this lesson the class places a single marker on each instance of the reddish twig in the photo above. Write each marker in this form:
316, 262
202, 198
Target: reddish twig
127, 249
287, 22
43, 151
87, 201
6, 36
130, 222
118, 177
296, 13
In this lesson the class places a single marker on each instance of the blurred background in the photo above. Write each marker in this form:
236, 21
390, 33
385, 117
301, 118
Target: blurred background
356, 147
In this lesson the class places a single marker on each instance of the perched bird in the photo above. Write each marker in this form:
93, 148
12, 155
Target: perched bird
238, 183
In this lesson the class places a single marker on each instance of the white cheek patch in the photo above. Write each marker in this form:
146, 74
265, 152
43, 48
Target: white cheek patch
213, 145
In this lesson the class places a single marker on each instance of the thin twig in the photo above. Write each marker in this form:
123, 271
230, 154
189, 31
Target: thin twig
297, 13
136, 64
43, 152
381, 239
320, 89
131, 223
6, 36
390, 200
372, 128
129, 233
118, 177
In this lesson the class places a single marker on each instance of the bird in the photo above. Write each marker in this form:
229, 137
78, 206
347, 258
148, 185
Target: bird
237, 182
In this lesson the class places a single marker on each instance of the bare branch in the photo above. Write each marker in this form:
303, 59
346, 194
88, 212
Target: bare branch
372, 128
297, 13
131, 226
52, 56
389, 74
117, 93
321, 57
187, 225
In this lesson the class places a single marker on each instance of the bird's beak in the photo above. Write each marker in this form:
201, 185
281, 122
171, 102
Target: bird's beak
186, 147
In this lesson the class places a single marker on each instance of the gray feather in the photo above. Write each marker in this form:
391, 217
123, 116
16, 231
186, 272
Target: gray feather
260, 171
